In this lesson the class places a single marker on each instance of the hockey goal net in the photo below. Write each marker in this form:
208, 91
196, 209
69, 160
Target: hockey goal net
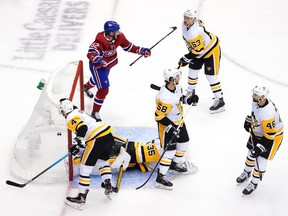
45, 137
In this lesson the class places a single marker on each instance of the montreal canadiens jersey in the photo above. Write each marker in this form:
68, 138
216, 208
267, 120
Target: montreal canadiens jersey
199, 41
266, 120
169, 104
77, 118
103, 48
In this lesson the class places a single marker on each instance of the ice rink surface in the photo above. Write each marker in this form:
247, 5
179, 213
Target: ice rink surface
253, 38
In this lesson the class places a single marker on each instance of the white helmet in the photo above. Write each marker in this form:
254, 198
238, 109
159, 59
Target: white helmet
171, 72
189, 13
260, 91
66, 106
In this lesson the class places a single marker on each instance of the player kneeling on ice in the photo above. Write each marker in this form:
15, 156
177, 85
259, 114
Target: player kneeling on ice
266, 134
172, 130
97, 140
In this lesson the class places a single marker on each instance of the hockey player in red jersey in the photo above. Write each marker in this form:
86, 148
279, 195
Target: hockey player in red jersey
102, 55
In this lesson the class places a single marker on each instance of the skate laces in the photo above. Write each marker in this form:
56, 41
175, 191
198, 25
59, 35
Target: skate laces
216, 102
244, 175
250, 187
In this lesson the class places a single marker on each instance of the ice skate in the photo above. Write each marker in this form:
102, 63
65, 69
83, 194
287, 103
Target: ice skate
218, 106
243, 177
108, 188
88, 91
96, 116
163, 183
77, 202
177, 169
249, 189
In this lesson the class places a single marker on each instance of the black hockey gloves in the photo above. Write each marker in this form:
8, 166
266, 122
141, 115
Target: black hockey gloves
247, 123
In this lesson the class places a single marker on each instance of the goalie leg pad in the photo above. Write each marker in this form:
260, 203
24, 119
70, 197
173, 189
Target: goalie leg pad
122, 159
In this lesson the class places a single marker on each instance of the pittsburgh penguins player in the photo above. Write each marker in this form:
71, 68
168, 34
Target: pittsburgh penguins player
172, 130
266, 133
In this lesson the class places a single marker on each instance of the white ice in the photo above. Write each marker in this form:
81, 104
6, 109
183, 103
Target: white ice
253, 38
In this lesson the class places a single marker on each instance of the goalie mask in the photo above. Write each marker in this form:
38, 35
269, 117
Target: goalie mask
66, 106
169, 73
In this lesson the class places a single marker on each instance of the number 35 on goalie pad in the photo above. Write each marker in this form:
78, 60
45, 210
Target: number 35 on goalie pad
191, 168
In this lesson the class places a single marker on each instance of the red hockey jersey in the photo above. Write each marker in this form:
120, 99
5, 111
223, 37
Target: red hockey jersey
103, 48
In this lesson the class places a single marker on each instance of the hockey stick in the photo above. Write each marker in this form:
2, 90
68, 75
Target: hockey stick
173, 29
260, 173
168, 144
155, 87
119, 179
52, 165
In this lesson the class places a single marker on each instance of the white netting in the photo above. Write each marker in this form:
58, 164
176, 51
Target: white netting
44, 138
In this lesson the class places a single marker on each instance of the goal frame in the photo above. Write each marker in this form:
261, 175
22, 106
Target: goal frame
79, 76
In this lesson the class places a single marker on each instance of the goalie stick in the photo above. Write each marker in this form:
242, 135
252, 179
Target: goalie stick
119, 179
12, 183
173, 29
164, 150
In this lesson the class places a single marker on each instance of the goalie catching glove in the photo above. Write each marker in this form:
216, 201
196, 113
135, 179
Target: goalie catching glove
77, 143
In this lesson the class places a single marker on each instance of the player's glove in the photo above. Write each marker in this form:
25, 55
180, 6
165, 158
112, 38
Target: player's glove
191, 99
74, 149
172, 130
99, 62
146, 52
258, 149
77, 143
185, 60
247, 123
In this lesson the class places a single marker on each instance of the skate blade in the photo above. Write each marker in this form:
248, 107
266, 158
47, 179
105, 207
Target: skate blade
160, 186
74, 205
221, 109
174, 172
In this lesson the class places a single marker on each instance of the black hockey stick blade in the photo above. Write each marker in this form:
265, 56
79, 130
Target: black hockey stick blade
15, 184
155, 87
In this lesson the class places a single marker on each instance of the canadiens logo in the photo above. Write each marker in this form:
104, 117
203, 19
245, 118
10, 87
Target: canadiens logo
109, 53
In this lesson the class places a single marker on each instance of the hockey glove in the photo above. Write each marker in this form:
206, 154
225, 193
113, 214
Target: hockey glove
258, 149
146, 52
74, 149
172, 130
247, 123
185, 60
191, 99
79, 141
99, 62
